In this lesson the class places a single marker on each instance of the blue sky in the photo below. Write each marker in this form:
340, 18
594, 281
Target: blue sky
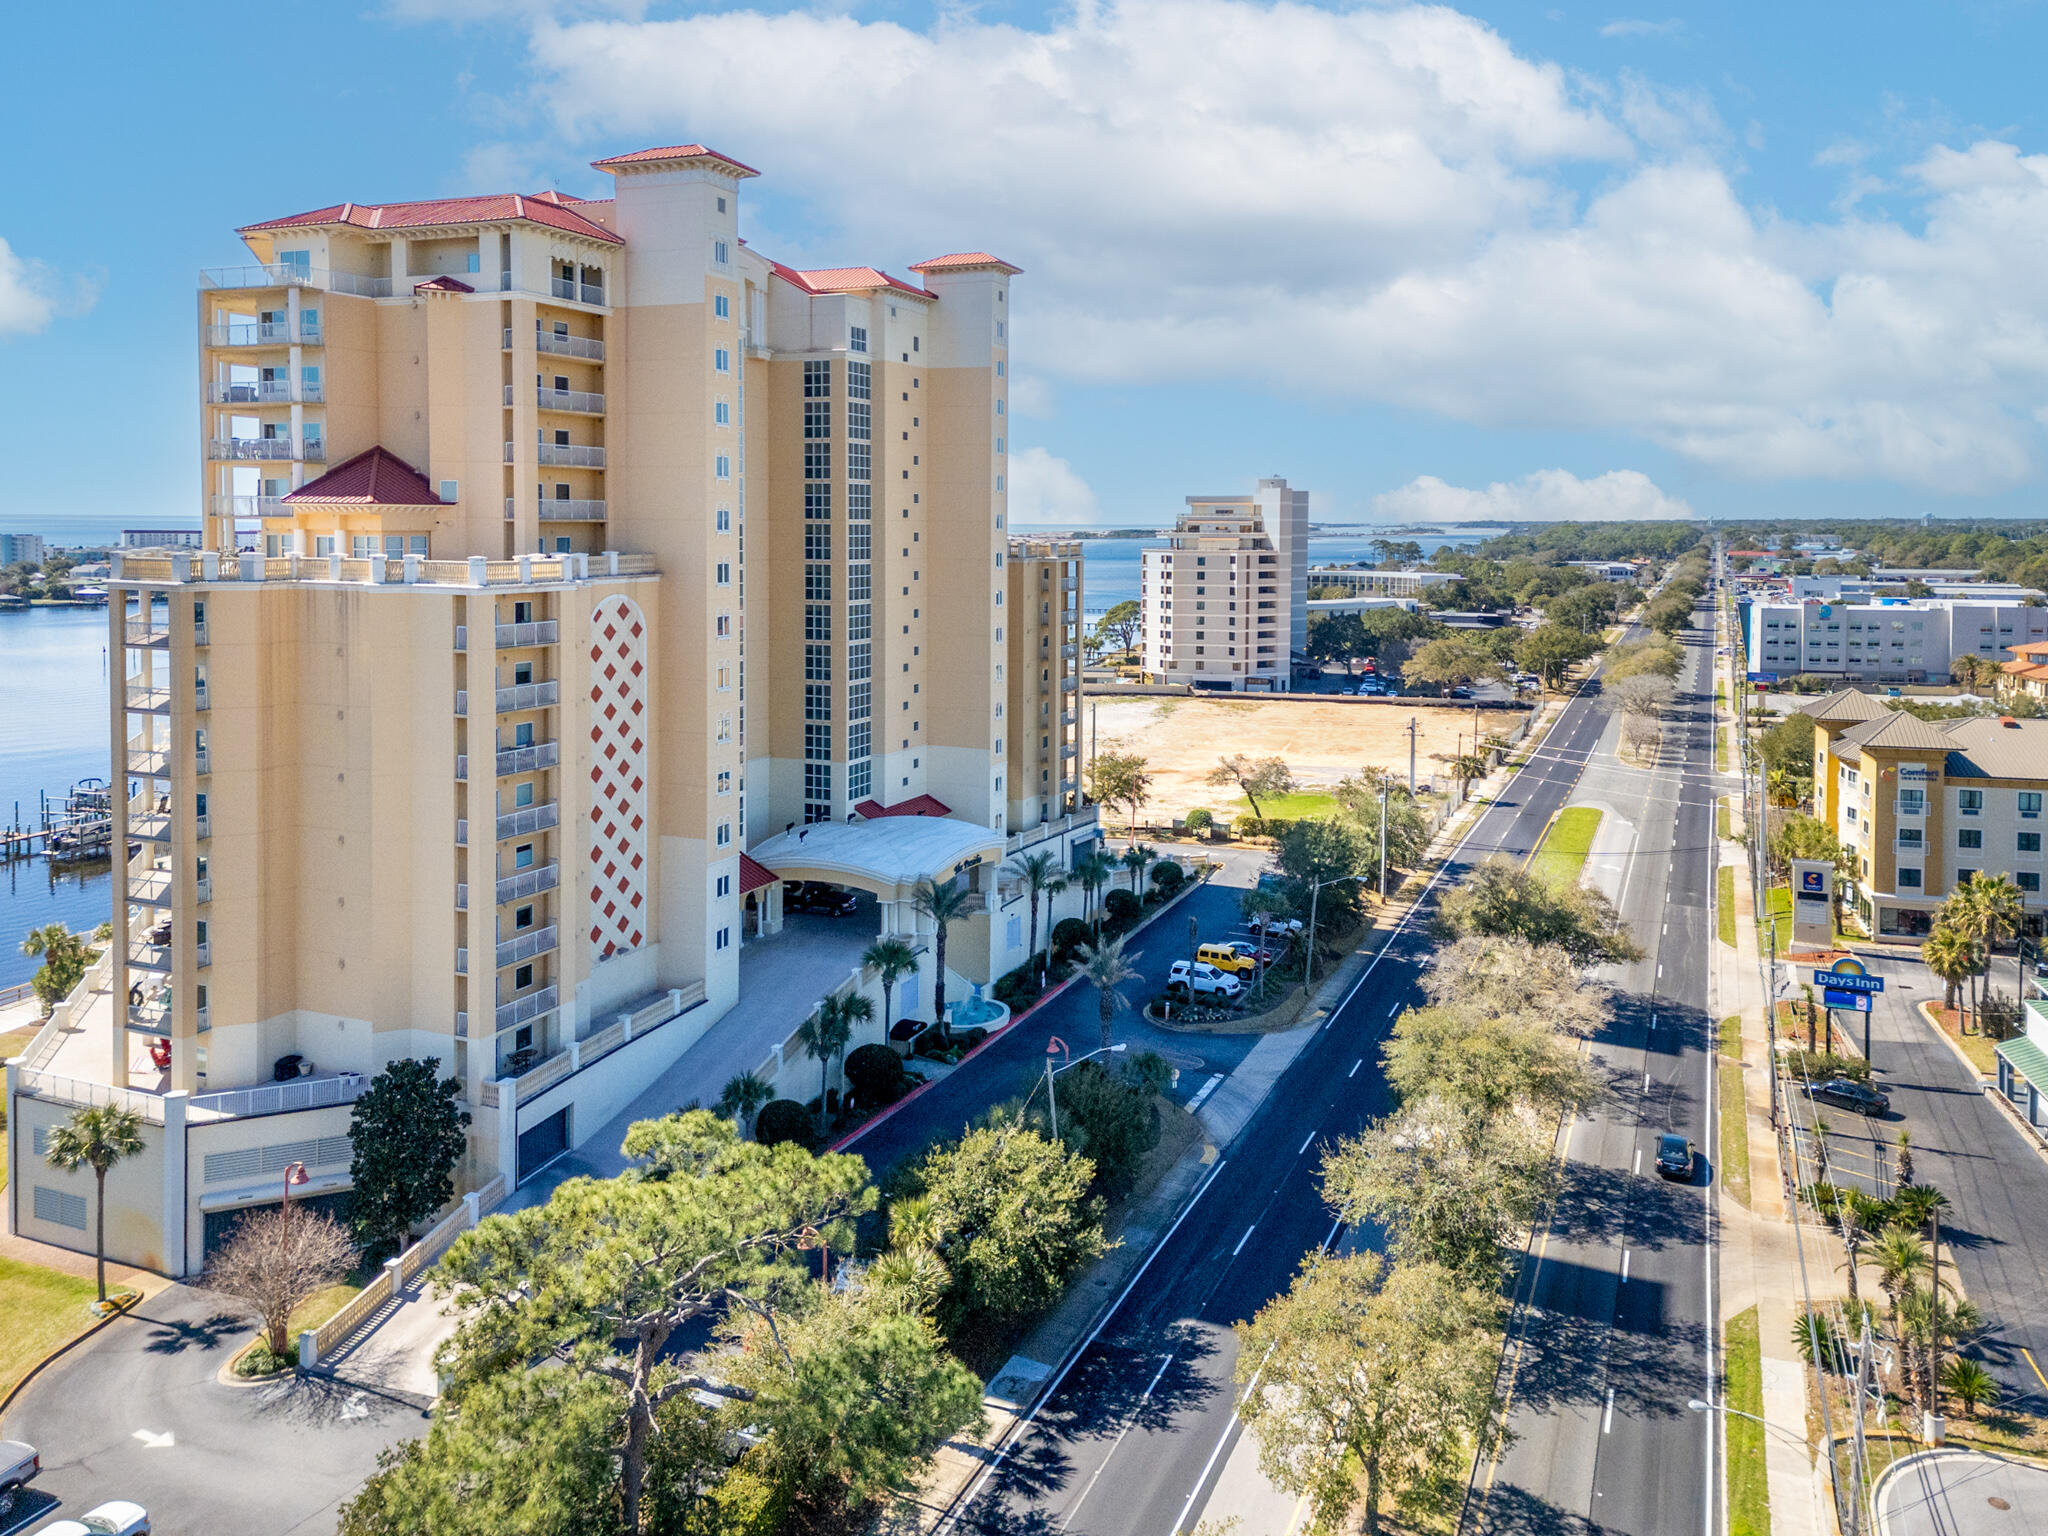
1513, 259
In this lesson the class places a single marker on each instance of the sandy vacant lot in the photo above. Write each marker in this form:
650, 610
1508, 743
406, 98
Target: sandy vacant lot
1322, 742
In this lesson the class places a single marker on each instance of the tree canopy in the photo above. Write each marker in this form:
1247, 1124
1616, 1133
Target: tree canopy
408, 1132
1500, 900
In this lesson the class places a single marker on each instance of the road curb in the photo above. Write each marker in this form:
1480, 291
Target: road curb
15, 1391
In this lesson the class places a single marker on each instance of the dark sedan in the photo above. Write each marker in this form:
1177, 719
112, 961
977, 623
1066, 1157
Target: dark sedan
1847, 1093
1674, 1158
813, 896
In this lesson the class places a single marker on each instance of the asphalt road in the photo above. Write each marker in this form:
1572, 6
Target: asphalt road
1613, 1330
1963, 1144
1135, 1437
135, 1413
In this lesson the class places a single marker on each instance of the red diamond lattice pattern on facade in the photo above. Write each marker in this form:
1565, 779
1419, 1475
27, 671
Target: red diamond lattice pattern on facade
617, 855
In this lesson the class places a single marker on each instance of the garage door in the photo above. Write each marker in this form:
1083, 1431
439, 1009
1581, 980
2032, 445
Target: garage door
543, 1143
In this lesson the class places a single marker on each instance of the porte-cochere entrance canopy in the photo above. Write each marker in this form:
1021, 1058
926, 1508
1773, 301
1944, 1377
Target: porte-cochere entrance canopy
887, 856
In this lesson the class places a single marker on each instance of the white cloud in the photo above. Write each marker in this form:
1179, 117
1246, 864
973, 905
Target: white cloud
1045, 491
29, 294
1032, 396
1549, 495
1399, 224
1628, 27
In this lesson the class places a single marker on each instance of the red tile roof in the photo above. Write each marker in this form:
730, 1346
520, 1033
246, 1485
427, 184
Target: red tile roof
443, 284
373, 478
753, 876
493, 208
962, 260
847, 280
674, 152
920, 805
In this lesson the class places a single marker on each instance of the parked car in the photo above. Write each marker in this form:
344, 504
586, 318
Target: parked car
1271, 922
1674, 1157
19, 1464
117, 1517
1224, 957
1198, 978
1461, 692
1847, 1093
815, 896
1253, 955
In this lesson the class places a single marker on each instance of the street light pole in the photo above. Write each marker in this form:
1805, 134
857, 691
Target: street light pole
1308, 967
294, 1173
1383, 840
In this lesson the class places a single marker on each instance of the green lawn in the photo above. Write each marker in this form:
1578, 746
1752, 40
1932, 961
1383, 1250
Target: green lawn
1561, 856
1724, 904
1720, 750
43, 1308
1777, 913
1724, 822
1734, 1112
1301, 805
1749, 1497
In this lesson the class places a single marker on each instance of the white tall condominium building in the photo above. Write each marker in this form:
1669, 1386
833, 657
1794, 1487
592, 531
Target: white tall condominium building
1226, 601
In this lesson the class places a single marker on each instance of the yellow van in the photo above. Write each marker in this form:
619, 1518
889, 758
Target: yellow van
1224, 958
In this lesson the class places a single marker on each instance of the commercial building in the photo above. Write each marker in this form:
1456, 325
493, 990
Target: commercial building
164, 538
1884, 640
1609, 570
1371, 581
2027, 672
1835, 589
21, 549
1225, 603
609, 580
1924, 805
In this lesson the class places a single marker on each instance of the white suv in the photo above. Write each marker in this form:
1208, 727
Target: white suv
1202, 979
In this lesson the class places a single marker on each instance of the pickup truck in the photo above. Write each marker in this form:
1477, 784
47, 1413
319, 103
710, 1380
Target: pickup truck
19, 1465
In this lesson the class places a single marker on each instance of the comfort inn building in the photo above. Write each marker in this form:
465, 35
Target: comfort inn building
577, 583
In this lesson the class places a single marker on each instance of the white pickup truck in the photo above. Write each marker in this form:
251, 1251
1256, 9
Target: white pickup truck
19, 1465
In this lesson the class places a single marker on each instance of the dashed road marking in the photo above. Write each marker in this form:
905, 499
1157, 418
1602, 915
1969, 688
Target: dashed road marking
1354, 1067
1248, 1231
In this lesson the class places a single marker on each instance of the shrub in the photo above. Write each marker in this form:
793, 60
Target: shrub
1110, 1120
1167, 877
1068, 935
1198, 821
1018, 988
783, 1120
877, 1075
1261, 826
1123, 908
1819, 1066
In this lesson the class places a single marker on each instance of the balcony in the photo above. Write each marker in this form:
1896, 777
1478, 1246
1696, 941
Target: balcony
537, 632
200, 634
528, 819
462, 896
151, 889
241, 507
567, 455
199, 695
143, 632
462, 962
264, 392
202, 760
151, 827
576, 293
572, 511
144, 955
544, 754
202, 826
528, 696
525, 946
278, 275
528, 882
148, 698
262, 333
265, 450
521, 1009
587, 348
202, 888
1069, 683
203, 953
1069, 651
582, 401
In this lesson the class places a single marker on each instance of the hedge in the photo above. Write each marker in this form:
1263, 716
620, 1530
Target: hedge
783, 1120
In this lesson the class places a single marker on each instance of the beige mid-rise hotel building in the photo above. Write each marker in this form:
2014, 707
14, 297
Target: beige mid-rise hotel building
574, 576
1225, 603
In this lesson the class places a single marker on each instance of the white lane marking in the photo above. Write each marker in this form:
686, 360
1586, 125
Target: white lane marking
1222, 1440
1607, 1424
1667, 927
1393, 1010
1248, 1231
1075, 1508
1653, 1021
1660, 970
1203, 1092
1311, 1136
1639, 1159
1624, 1266
155, 1441
1646, 1082
1354, 1067
953, 1516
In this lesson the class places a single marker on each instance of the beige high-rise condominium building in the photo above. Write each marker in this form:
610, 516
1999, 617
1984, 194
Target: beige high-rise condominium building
1226, 601
575, 580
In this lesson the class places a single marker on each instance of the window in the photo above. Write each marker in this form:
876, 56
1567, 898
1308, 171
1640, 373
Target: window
1912, 802
721, 360
724, 934
1911, 837
1970, 837
818, 583
522, 977
725, 519
2030, 842
721, 253
2028, 880
451, 491
818, 663
522, 794
818, 497
724, 833
522, 734
722, 886
860, 780
522, 917
724, 466
522, 856
857, 338
1970, 802
1909, 879
2030, 803
725, 573
818, 701
817, 621
1965, 874
725, 727
723, 626
818, 543
817, 787
721, 306
721, 414
858, 584
858, 658
817, 460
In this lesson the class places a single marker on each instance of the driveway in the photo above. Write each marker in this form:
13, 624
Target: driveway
1963, 1144
135, 1413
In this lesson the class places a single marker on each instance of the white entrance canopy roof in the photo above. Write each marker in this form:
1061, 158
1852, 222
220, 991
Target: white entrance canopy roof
888, 855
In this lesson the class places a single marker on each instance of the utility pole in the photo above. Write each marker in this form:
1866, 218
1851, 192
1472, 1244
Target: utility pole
1411, 757
1383, 840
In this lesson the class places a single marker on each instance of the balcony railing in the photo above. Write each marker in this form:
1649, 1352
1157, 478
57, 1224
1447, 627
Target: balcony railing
203, 953
278, 1098
142, 632
1069, 652
534, 632
199, 695
202, 888
582, 400
461, 962
202, 760
529, 818
584, 347
528, 696
277, 275
265, 392
462, 896
572, 511
151, 827
200, 634
261, 333
249, 506
265, 450
202, 826
581, 293
521, 1009
525, 946
528, 882
567, 455
542, 754
144, 698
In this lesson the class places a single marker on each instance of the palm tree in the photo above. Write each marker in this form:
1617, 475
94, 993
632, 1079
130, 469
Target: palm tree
1970, 1385
1901, 1256
96, 1137
742, 1097
65, 959
2001, 909
1860, 1216
940, 904
1107, 968
890, 959
823, 1036
1951, 955
1093, 872
1905, 1158
1039, 872
1135, 859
